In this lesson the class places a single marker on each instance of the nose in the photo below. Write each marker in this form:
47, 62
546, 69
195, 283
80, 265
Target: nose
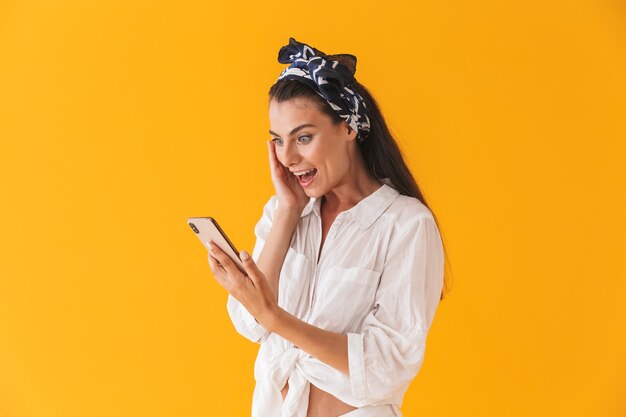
290, 154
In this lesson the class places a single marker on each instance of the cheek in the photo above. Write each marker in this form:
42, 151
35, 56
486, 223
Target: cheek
280, 155
336, 165
318, 156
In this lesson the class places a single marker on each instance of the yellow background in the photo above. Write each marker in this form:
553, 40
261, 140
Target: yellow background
119, 119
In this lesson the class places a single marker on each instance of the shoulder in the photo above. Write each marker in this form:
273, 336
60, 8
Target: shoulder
272, 202
406, 211
410, 222
412, 227
267, 216
270, 206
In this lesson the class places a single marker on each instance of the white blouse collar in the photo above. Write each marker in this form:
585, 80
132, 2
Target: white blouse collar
366, 211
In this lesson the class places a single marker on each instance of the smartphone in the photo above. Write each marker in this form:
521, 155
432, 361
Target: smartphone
207, 230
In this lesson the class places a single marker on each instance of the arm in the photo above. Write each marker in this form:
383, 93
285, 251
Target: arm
330, 348
391, 344
253, 291
272, 237
388, 352
273, 231
290, 199
272, 255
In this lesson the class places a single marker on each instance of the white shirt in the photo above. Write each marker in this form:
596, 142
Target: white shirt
378, 280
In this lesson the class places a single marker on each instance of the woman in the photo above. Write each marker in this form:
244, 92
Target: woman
347, 270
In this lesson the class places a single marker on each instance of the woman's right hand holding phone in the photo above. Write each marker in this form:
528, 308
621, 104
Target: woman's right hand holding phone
290, 194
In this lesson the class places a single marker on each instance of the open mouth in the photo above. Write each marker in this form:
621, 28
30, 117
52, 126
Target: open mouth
306, 178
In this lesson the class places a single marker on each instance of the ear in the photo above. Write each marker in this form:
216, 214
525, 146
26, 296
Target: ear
351, 132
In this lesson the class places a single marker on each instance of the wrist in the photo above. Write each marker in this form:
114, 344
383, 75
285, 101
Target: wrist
287, 213
274, 318
283, 206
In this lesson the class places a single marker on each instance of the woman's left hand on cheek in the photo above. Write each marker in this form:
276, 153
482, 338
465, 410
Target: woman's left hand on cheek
250, 289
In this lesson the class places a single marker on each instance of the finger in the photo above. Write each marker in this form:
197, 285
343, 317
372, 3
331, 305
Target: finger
252, 269
219, 266
275, 164
218, 273
270, 152
272, 156
229, 266
218, 254
216, 267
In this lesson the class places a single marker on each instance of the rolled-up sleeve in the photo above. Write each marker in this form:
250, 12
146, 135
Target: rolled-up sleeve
244, 322
389, 350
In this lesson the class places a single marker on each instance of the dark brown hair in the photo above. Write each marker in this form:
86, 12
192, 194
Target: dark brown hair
380, 151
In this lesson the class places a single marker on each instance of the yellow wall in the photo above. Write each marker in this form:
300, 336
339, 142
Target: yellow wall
119, 119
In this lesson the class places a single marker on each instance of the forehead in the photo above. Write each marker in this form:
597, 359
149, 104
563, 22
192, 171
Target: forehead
294, 112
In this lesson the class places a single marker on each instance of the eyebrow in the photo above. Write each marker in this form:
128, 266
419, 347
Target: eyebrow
294, 130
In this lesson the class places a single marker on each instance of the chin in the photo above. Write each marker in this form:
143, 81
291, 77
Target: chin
311, 193
314, 191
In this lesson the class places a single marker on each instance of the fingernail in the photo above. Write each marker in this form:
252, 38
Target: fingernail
244, 255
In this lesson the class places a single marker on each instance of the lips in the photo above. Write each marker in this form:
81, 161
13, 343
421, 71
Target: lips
301, 171
307, 178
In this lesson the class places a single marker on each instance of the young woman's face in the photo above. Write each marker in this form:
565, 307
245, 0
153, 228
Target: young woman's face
305, 138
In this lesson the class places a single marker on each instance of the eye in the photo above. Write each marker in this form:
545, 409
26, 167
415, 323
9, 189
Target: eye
308, 138
277, 141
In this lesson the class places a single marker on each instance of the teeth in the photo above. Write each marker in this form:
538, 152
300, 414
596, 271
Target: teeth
303, 172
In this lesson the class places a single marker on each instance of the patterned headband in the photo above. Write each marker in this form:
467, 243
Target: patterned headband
331, 76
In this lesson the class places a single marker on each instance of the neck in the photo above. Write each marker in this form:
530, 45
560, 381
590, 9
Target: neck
356, 185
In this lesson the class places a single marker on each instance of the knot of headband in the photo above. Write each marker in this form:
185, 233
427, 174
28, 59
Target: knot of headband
330, 78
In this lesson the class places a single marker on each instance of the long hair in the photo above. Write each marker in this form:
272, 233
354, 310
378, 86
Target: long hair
382, 155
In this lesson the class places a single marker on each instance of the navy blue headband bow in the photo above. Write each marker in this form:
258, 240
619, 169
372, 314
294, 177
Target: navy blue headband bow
330, 78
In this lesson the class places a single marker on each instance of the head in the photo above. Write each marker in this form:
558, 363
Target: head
308, 134
335, 152
292, 103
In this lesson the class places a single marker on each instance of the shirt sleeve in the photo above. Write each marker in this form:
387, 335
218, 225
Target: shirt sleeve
388, 352
244, 322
